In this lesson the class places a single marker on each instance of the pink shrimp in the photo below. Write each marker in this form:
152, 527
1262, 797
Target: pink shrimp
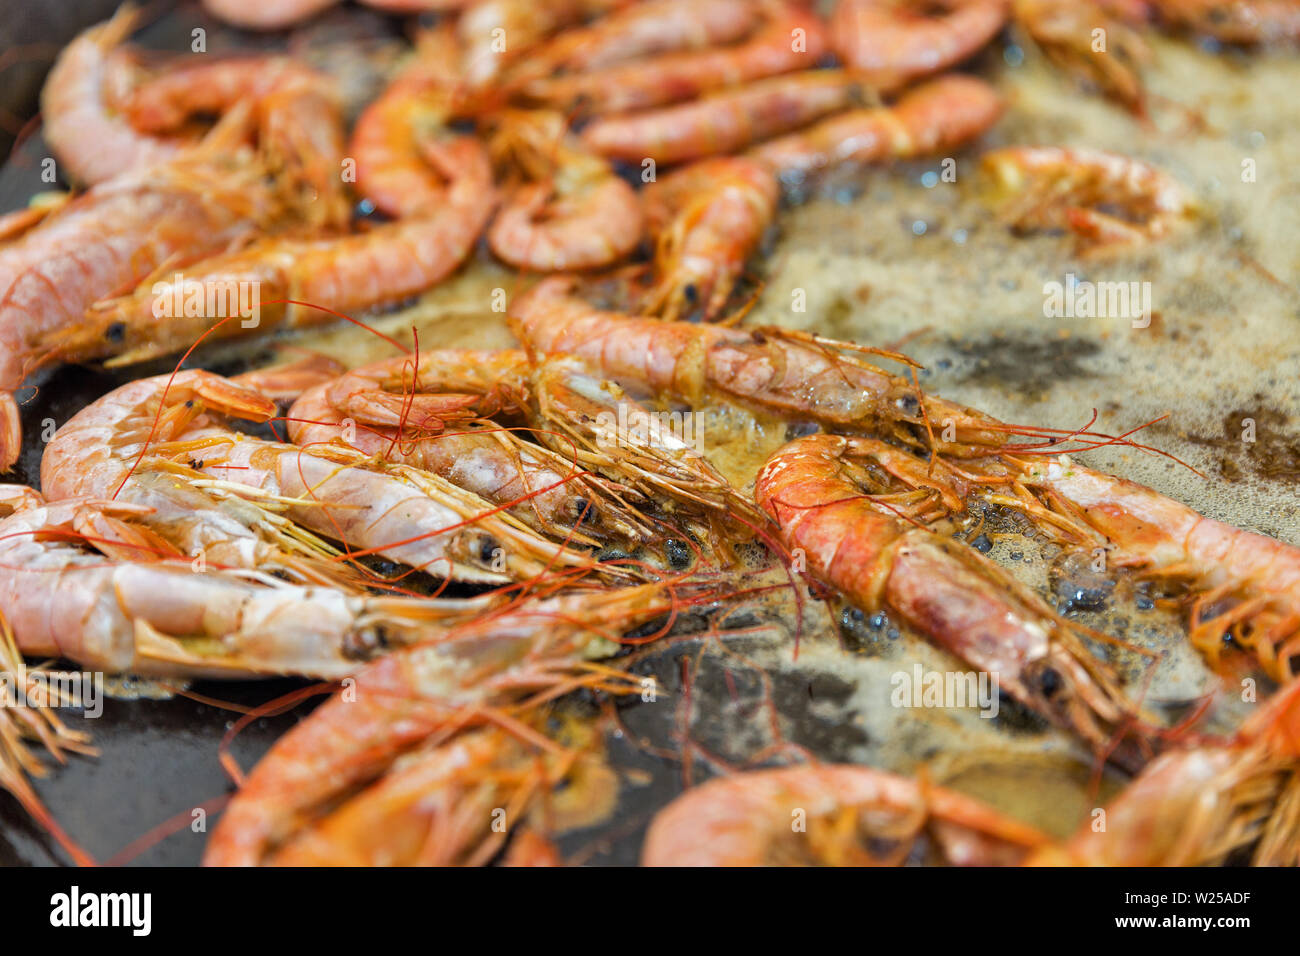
108, 239
723, 122
1235, 21
938, 115
893, 41
1110, 202
788, 38
572, 213
93, 141
707, 220
954, 596
851, 816
62, 598
645, 29
433, 692
289, 281
279, 14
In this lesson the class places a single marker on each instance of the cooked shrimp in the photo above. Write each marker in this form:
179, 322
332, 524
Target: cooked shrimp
111, 238
1235, 21
406, 157
91, 139
707, 219
774, 371
572, 213
723, 122
101, 453
296, 110
1052, 187
891, 42
788, 38
495, 33
835, 815
426, 693
935, 116
1248, 584
1063, 29
151, 616
1205, 806
427, 414
952, 595
289, 281
645, 29
278, 14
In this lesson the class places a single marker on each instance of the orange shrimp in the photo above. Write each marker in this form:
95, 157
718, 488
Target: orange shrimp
279, 14
98, 454
436, 691
495, 33
289, 281
1063, 29
406, 158
788, 38
776, 371
573, 212
296, 110
894, 41
726, 121
93, 141
111, 238
707, 219
64, 599
952, 595
835, 815
1110, 202
427, 414
1205, 806
938, 115
1235, 21
1248, 583
645, 29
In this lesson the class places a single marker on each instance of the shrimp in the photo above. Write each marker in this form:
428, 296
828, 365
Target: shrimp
788, 38
100, 453
952, 595
775, 371
296, 111
938, 115
91, 140
1205, 806
406, 158
279, 14
726, 121
1248, 583
892, 42
1111, 203
400, 410
1063, 29
707, 219
111, 238
289, 281
1235, 21
495, 33
645, 29
438, 691
63, 599
574, 213
854, 816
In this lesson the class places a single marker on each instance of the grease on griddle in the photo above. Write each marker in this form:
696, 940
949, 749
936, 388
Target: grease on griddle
1275, 452
1023, 364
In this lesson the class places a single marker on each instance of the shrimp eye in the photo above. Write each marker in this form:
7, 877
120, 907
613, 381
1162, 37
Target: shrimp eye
1050, 682
487, 549
691, 294
678, 554
115, 332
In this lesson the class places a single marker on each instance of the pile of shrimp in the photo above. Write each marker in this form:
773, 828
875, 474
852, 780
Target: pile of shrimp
464, 537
